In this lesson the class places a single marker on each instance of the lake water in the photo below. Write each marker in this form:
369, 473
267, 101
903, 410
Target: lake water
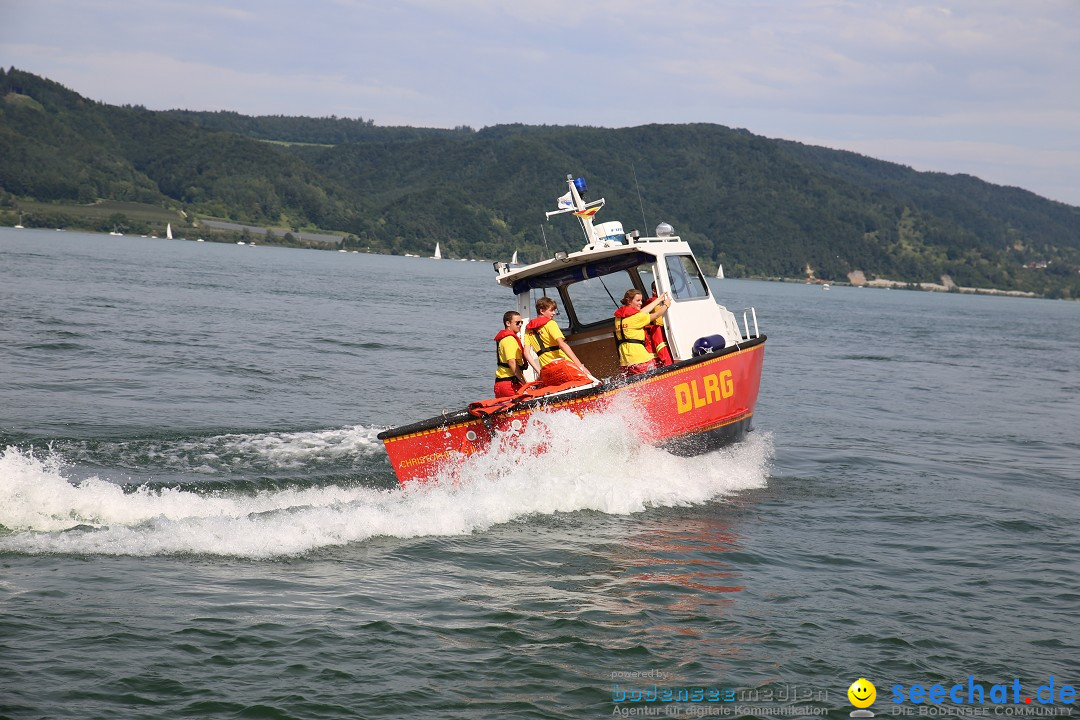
197, 520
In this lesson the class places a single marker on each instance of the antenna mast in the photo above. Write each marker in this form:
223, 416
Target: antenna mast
640, 204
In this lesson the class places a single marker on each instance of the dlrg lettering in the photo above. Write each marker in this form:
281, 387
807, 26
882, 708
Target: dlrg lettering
712, 388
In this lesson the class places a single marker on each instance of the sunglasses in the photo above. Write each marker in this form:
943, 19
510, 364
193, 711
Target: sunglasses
517, 323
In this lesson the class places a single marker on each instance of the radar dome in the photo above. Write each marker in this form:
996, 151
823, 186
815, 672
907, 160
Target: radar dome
664, 230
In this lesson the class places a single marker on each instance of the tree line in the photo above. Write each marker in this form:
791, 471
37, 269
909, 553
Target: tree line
760, 207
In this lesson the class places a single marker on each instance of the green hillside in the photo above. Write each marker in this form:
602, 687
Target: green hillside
760, 207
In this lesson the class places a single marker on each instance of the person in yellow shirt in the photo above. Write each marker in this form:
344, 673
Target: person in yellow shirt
510, 357
558, 363
635, 355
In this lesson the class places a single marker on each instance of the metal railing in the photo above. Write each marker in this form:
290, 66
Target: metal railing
746, 325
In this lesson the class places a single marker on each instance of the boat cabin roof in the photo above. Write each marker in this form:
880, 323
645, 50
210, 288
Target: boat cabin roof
590, 262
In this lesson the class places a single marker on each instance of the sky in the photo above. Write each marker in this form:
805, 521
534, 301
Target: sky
990, 88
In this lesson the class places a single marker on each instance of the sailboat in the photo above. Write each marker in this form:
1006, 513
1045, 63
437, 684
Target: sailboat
514, 260
168, 231
719, 271
438, 254
20, 225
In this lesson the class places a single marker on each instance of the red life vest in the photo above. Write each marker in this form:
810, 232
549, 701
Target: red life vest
654, 333
534, 327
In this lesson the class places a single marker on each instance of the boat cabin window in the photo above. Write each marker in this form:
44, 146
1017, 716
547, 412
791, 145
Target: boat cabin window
585, 303
685, 278
648, 279
562, 319
595, 300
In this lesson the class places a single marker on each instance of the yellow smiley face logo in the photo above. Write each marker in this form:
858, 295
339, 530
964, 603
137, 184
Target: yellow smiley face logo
862, 693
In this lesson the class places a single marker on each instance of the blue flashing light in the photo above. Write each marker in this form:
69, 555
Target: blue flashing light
582, 188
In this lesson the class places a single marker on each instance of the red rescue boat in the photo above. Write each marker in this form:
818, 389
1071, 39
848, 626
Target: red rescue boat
701, 402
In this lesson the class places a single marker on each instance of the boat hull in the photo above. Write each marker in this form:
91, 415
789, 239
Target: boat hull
690, 408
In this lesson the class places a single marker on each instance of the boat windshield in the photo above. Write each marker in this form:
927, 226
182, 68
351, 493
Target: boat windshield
596, 299
685, 278
593, 301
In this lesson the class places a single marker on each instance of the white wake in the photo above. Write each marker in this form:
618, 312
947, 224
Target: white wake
589, 463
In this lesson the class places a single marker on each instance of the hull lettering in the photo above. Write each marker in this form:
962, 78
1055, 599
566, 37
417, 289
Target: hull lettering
699, 393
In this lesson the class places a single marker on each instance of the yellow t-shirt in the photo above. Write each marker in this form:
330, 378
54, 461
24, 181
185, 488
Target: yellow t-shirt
549, 337
508, 350
631, 328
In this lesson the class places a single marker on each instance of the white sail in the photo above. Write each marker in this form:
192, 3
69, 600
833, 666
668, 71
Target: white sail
168, 231
720, 271
438, 254
514, 260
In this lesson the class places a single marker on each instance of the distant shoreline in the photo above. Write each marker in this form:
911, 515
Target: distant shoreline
330, 242
879, 283
277, 232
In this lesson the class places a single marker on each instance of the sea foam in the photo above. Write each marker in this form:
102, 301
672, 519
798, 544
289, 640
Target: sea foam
558, 462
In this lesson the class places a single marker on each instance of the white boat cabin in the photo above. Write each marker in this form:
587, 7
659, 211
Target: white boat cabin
589, 285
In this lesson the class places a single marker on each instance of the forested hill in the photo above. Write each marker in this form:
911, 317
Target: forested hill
761, 207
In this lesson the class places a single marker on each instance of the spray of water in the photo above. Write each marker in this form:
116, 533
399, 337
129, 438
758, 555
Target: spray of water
232, 453
558, 462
